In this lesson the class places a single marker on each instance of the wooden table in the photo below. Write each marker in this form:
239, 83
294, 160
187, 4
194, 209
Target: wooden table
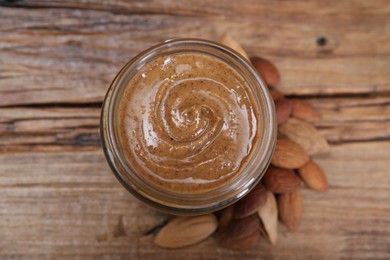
58, 198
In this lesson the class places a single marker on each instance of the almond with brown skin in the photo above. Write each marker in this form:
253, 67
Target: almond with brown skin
226, 218
242, 234
242, 244
267, 70
290, 208
289, 155
251, 202
229, 41
303, 110
268, 213
276, 94
306, 135
280, 180
313, 176
283, 109
186, 231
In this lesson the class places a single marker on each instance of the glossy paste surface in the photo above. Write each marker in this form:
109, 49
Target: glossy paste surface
188, 122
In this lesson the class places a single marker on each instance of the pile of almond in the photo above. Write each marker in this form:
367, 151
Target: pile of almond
278, 195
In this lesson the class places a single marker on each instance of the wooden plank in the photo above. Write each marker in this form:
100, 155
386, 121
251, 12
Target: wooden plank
58, 198
354, 119
344, 120
68, 204
73, 58
49, 126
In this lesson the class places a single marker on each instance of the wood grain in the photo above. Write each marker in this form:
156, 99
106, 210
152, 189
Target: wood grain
69, 204
58, 197
344, 120
354, 119
49, 126
69, 51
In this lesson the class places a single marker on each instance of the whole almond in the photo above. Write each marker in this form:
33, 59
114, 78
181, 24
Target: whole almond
239, 244
306, 135
251, 202
242, 234
313, 176
226, 218
268, 213
303, 110
289, 155
229, 41
267, 70
186, 231
290, 208
283, 109
280, 180
276, 94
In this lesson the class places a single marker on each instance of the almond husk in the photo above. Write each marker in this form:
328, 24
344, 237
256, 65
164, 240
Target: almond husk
289, 155
313, 176
242, 234
251, 202
303, 110
283, 109
290, 208
267, 70
268, 213
186, 231
229, 41
280, 180
306, 135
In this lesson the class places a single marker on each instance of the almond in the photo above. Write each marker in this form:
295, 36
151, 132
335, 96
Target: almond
290, 208
226, 218
280, 180
186, 231
229, 41
313, 176
283, 109
289, 155
268, 213
306, 135
303, 110
276, 94
251, 202
242, 234
241, 244
267, 70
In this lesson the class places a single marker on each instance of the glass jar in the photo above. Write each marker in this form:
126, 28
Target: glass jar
189, 203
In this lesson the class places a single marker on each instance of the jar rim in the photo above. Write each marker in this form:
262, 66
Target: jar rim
188, 204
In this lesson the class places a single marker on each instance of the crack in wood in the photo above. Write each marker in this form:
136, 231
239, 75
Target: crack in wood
340, 95
57, 105
65, 185
119, 230
154, 230
341, 142
103, 8
305, 97
30, 89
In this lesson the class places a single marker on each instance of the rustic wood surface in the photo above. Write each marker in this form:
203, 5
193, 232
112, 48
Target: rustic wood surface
58, 198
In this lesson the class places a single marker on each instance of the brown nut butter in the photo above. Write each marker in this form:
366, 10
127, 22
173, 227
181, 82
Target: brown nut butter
188, 122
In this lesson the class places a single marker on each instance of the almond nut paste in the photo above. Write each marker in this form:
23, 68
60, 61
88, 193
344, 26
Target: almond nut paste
188, 122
